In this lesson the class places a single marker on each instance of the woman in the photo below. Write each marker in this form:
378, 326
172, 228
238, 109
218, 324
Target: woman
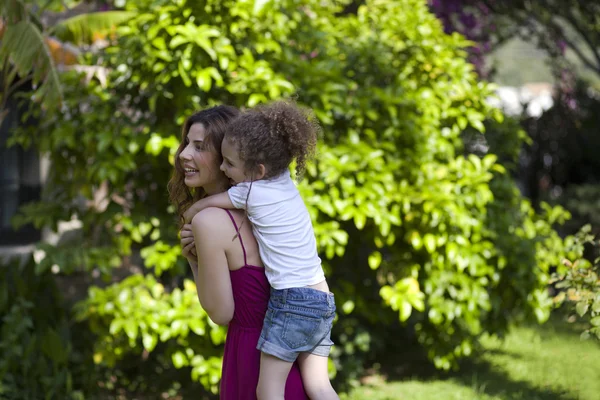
229, 275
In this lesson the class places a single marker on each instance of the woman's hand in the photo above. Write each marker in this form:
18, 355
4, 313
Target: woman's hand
188, 246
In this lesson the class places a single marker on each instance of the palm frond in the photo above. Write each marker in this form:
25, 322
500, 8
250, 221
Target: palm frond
24, 46
13, 10
82, 28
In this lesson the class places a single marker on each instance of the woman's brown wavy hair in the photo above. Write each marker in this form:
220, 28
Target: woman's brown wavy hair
215, 121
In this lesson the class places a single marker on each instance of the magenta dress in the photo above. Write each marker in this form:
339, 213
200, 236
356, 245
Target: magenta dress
241, 360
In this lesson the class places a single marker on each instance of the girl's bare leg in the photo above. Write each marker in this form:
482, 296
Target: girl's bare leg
272, 377
315, 377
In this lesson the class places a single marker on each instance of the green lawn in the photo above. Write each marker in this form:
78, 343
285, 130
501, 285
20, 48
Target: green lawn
542, 363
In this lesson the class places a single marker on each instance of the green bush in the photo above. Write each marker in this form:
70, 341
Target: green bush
412, 226
38, 360
136, 314
580, 282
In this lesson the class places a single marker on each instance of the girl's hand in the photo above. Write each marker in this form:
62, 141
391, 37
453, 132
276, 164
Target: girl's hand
188, 247
188, 215
194, 209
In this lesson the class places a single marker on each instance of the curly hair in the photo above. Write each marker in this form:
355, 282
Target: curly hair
274, 135
215, 121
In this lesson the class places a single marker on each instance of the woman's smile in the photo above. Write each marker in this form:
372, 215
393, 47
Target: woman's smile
190, 171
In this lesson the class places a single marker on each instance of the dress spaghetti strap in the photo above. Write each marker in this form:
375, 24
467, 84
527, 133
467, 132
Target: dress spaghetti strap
239, 235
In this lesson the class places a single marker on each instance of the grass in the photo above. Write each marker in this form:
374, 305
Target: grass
548, 362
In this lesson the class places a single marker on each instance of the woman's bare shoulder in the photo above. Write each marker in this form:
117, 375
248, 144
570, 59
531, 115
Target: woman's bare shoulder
211, 221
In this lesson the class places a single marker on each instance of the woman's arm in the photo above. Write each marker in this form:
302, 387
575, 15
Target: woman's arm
212, 278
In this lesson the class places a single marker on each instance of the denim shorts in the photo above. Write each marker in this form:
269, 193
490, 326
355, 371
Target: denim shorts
298, 320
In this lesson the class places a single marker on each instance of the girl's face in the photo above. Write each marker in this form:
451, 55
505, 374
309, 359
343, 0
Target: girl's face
232, 166
198, 160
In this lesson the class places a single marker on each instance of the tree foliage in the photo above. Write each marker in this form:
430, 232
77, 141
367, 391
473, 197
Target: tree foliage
28, 48
560, 28
560, 163
412, 227
556, 26
38, 356
581, 283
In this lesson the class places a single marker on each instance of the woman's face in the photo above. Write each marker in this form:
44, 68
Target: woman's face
199, 161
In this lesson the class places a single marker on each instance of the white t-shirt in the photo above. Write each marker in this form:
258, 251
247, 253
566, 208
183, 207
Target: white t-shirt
283, 229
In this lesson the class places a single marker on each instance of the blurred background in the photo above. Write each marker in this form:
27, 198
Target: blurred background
455, 196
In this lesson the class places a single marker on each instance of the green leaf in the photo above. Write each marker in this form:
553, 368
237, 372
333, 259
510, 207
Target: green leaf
417, 301
206, 45
131, 328
405, 310
178, 41
541, 314
581, 308
348, 306
596, 306
154, 145
415, 240
477, 124
81, 28
149, 341
452, 251
585, 335
115, 326
359, 220
203, 80
429, 241
179, 359
256, 98
386, 292
259, 5
374, 260
52, 346
183, 74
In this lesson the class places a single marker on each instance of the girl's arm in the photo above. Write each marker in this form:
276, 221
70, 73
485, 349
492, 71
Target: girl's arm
212, 278
220, 200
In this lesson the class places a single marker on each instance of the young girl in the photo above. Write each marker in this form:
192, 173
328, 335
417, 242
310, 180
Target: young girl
258, 149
